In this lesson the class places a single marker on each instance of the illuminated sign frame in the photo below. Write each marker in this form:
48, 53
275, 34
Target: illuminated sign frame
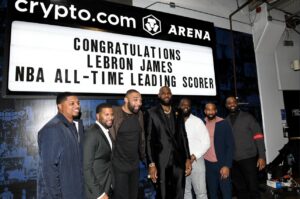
88, 49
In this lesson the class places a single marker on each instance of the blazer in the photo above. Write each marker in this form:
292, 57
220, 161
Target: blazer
60, 166
97, 155
224, 143
161, 141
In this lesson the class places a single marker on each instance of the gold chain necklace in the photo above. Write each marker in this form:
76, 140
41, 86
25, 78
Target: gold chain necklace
167, 112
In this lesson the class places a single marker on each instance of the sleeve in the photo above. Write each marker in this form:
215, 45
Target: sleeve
184, 139
257, 136
142, 138
50, 151
229, 142
149, 137
204, 140
90, 145
117, 121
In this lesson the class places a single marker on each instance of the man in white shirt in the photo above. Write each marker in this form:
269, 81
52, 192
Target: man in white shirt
97, 154
199, 143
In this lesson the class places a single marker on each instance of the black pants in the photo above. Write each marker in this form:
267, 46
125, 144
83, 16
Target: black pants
171, 182
126, 184
244, 178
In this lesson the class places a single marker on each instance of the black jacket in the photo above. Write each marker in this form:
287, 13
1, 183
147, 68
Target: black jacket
97, 155
161, 141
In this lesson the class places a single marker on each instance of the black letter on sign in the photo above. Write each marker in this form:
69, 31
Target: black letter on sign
19, 73
58, 77
40, 75
30, 75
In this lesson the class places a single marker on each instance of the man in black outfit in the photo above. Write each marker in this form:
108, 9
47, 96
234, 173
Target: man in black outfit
97, 153
129, 137
167, 148
249, 151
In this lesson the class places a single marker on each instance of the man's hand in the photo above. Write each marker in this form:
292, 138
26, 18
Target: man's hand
193, 158
188, 167
152, 173
105, 196
261, 164
224, 171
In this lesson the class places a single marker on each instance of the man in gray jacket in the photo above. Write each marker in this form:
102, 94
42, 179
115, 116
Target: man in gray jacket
249, 151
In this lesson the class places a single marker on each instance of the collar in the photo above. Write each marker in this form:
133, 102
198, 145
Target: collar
63, 119
190, 117
235, 113
218, 119
105, 130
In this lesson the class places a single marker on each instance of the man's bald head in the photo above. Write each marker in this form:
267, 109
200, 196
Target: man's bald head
165, 95
231, 104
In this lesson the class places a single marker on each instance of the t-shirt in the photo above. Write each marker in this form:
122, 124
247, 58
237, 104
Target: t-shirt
126, 152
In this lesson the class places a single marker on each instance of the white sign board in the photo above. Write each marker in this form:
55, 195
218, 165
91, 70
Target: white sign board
48, 58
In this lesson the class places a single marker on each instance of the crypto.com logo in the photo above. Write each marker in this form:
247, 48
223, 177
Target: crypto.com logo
151, 25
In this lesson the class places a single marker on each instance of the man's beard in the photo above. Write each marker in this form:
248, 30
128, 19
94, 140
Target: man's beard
131, 109
106, 126
211, 117
162, 102
186, 113
233, 111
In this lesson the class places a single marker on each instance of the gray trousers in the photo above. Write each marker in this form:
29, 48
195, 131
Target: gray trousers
196, 181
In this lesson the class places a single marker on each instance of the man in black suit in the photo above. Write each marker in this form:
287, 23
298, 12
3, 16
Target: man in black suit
97, 154
167, 148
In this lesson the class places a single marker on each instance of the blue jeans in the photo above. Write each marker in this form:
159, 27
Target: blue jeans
214, 181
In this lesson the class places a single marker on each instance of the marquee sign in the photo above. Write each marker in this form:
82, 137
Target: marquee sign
106, 48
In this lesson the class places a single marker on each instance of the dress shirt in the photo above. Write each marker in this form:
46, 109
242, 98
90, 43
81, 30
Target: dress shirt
76, 125
106, 133
198, 136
